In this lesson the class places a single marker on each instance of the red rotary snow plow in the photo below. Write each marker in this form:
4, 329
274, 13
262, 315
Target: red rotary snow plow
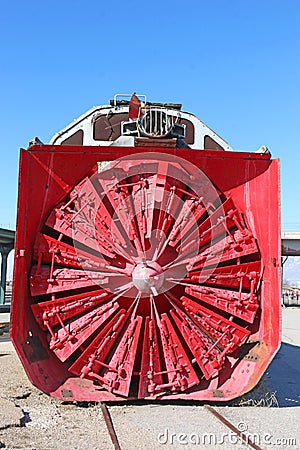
146, 272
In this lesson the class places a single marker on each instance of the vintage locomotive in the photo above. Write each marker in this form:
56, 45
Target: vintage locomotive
147, 259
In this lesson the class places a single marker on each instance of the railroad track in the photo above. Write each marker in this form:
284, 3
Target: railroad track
110, 426
232, 427
242, 436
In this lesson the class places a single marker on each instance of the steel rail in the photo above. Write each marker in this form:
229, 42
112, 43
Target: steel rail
232, 427
110, 426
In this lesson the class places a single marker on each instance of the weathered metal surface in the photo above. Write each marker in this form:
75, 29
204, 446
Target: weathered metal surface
158, 277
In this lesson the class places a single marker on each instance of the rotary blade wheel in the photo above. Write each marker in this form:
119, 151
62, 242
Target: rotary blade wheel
145, 279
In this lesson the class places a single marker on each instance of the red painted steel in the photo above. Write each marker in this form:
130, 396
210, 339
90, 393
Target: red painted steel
156, 277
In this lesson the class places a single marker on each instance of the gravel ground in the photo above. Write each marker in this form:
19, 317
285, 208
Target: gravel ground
41, 422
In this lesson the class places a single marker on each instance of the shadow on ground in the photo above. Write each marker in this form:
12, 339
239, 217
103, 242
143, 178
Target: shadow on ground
283, 374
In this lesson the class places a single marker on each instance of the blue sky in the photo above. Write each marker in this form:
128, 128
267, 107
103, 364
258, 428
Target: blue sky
234, 63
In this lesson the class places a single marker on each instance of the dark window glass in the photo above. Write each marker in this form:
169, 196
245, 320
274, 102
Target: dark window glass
211, 144
189, 131
75, 139
108, 128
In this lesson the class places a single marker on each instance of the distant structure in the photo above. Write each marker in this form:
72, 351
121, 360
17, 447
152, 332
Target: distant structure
7, 242
290, 243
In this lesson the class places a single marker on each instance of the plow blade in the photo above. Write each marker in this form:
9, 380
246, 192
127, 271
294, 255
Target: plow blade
154, 275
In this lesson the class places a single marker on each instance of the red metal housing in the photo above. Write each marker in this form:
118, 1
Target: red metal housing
157, 276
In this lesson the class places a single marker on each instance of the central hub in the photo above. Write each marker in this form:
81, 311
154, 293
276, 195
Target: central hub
148, 277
